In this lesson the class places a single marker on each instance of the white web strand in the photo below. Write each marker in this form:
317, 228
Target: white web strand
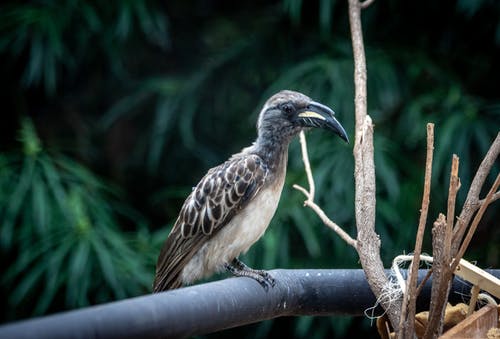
396, 287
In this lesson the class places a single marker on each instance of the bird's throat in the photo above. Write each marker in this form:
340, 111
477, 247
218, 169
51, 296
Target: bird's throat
274, 153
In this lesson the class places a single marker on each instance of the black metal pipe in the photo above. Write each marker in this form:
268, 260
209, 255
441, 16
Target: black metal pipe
218, 305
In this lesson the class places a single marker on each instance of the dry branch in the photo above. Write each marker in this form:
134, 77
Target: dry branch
446, 238
310, 196
367, 243
446, 242
494, 197
307, 165
366, 3
472, 202
475, 222
452, 197
441, 277
364, 172
408, 309
441, 247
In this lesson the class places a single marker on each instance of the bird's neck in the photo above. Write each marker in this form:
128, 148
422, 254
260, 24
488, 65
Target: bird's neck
274, 151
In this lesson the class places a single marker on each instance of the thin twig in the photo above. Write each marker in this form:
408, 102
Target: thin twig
407, 320
366, 3
441, 277
422, 283
475, 222
331, 224
452, 196
442, 267
494, 197
441, 246
473, 299
307, 165
310, 196
472, 202
303, 190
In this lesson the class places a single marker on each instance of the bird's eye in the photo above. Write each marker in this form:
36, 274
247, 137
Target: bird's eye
288, 108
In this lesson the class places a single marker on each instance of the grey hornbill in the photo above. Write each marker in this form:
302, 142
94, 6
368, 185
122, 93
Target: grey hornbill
232, 205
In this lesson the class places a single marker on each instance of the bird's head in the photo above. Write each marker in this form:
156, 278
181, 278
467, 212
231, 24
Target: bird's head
287, 113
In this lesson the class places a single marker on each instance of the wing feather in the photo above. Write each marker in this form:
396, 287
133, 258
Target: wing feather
220, 194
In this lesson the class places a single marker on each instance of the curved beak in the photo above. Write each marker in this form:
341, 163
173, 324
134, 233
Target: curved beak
321, 116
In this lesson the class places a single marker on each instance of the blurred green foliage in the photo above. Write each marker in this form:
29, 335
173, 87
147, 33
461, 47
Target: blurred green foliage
58, 36
62, 224
114, 110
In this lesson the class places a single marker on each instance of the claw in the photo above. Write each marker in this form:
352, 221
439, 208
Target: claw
265, 280
238, 268
268, 278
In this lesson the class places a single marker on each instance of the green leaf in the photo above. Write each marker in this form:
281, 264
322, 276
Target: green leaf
54, 284
28, 283
40, 204
76, 269
107, 266
55, 186
16, 200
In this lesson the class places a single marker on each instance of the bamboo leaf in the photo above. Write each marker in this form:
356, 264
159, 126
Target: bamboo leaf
40, 200
16, 200
28, 283
76, 268
107, 267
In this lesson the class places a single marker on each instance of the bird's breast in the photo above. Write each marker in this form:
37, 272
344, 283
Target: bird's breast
249, 225
244, 229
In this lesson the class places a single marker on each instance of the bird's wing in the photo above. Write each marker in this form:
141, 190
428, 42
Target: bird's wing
220, 194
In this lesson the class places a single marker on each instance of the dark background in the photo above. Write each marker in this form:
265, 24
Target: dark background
111, 112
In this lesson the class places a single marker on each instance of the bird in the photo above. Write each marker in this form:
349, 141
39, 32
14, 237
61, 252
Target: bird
233, 204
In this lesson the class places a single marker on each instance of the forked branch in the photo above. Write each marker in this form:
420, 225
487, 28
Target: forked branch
407, 320
364, 173
309, 202
367, 243
472, 202
447, 238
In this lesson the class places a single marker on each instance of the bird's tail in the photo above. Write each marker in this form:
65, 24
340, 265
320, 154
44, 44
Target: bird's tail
171, 261
164, 282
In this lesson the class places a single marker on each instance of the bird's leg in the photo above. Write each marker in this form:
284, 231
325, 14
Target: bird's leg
238, 268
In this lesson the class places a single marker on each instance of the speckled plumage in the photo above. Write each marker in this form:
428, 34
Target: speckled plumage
233, 204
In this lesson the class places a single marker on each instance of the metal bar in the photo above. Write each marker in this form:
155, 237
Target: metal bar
218, 305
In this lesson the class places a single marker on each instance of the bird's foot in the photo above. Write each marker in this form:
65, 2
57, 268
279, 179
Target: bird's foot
239, 269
